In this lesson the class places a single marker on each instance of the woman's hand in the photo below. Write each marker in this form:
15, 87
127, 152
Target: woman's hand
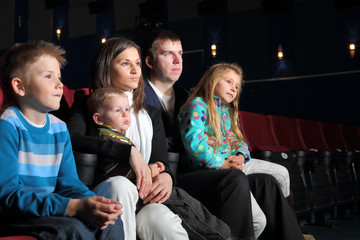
142, 172
98, 211
161, 189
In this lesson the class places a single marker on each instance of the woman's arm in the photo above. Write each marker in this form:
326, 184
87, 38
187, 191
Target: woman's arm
192, 128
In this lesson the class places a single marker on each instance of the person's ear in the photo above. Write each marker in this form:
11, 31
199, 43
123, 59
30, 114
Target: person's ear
148, 62
97, 119
18, 86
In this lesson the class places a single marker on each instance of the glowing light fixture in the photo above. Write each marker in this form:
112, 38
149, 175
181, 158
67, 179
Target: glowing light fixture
58, 33
352, 49
213, 50
103, 40
280, 52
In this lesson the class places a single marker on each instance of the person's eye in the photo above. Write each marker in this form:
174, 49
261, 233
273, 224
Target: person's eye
117, 110
138, 63
48, 76
124, 64
166, 53
181, 53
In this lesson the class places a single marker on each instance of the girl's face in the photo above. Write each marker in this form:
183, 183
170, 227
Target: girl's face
228, 86
125, 70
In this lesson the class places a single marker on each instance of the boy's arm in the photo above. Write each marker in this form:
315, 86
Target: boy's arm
192, 128
68, 182
14, 197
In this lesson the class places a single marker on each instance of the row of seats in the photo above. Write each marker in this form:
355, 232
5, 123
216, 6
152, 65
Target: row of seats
323, 160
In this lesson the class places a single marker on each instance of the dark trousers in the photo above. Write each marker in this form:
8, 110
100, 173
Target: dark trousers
60, 228
281, 220
226, 194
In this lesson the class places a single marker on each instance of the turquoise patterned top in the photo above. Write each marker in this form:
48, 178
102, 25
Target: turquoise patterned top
195, 130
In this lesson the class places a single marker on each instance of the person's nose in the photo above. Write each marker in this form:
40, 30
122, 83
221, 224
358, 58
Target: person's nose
59, 84
177, 58
134, 69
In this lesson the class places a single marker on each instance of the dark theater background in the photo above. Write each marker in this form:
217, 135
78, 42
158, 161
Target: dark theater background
301, 58
318, 78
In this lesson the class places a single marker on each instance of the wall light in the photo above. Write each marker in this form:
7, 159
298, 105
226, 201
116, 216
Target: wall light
103, 40
58, 33
213, 50
280, 52
352, 49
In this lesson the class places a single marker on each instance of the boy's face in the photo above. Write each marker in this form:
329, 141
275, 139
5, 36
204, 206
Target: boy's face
167, 65
116, 113
43, 88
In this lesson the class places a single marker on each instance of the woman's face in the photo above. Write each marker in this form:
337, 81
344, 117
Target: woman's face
125, 70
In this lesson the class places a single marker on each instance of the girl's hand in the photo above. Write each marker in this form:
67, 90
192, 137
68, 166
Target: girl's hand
209, 141
238, 161
142, 172
98, 211
229, 164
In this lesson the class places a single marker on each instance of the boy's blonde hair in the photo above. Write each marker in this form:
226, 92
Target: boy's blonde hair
97, 98
16, 62
205, 89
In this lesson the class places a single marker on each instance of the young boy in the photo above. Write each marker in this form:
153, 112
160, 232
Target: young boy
110, 111
40, 192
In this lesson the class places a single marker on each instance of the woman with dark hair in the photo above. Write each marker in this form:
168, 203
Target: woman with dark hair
118, 64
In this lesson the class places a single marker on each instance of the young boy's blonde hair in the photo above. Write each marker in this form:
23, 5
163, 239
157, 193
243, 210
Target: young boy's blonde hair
97, 98
16, 61
205, 89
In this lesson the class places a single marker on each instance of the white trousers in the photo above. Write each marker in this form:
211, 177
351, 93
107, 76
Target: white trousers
259, 218
154, 221
279, 172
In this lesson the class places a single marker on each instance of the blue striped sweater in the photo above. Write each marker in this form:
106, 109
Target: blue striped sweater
37, 169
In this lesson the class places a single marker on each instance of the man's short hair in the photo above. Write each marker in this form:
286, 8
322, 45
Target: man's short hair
151, 41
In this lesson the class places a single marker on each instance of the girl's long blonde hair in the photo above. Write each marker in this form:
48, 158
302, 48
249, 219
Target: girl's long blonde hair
205, 89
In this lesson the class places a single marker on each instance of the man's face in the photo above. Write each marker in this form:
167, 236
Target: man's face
167, 65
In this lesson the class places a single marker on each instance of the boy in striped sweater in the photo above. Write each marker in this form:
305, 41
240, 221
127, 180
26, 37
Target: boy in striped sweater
40, 192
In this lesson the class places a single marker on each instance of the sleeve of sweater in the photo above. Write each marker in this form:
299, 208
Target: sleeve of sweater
68, 182
192, 122
159, 151
84, 137
14, 198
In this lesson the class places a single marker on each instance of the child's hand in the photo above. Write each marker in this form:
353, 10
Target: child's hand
95, 210
230, 137
157, 168
228, 164
209, 141
238, 161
